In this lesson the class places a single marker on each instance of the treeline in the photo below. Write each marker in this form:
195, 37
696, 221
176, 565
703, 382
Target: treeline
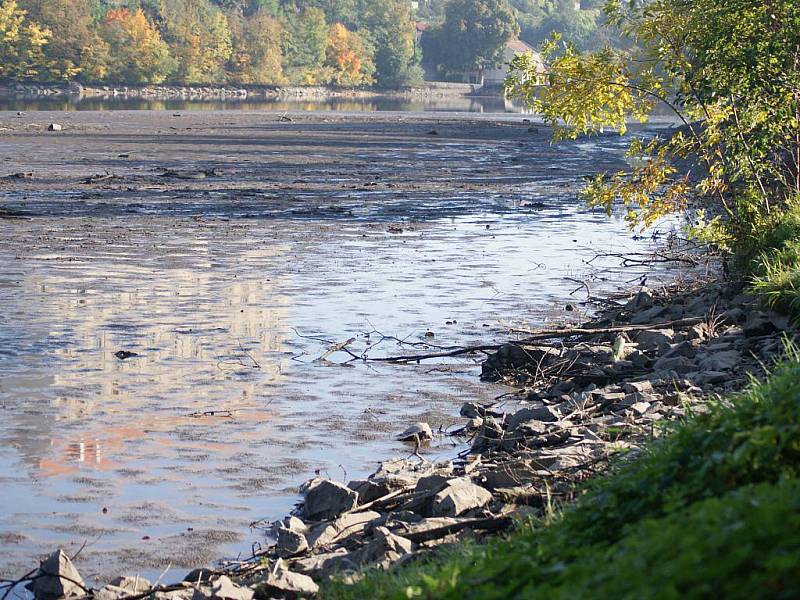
341, 42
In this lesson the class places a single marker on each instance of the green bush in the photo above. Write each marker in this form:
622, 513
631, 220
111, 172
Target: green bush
709, 510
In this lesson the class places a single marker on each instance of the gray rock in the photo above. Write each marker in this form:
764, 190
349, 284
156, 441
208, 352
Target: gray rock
758, 323
287, 584
679, 364
321, 563
721, 361
326, 499
511, 357
111, 592
640, 301
547, 414
387, 548
655, 339
417, 432
459, 496
344, 526
133, 585
57, 578
650, 315
224, 589
289, 542
710, 377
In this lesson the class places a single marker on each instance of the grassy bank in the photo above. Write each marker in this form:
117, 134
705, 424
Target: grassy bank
711, 509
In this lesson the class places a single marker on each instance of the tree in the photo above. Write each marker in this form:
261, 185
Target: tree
256, 56
348, 58
473, 35
304, 44
75, 47
137, 52
198, 37
390, 28
22, 44
730, 71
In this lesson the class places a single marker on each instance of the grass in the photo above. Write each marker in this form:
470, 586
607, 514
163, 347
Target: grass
710, 510
773, 258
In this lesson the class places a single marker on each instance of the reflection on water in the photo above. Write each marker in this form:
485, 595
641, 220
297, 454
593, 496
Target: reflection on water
347, 105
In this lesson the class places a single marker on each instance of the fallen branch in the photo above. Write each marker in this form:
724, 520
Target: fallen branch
490, 524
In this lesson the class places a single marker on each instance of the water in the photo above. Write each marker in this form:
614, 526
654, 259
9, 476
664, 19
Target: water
379, 104
231, 290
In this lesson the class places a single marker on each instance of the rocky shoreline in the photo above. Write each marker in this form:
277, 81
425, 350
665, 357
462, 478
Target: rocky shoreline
74, 90
586, 393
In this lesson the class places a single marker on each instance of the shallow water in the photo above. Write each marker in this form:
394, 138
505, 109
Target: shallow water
231, 301
456, 104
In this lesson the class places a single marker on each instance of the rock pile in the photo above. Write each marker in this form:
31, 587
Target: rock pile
587, 394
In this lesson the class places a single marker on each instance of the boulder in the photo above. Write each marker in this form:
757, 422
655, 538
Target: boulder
416, 433
640, 301
110, 592
344, 526
57, 578
511, 357
386, 549
459, 496
547, 414
721, 361
287, 584
326, 499
758, 323
680, 364
655, 339
289, 542
133, 585
224, 589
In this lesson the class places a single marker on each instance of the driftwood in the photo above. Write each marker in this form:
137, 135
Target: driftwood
490, 524
535, 336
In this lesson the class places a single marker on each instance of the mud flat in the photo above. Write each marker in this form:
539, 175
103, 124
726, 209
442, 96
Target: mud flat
183, 295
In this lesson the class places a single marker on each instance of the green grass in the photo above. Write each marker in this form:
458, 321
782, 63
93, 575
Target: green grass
710, 510
773, 260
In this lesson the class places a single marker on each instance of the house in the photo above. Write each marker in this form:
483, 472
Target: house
495, 78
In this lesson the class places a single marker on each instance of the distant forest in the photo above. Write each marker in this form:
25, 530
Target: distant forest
389, 43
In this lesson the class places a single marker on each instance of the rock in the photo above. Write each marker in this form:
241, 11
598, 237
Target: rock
57, 578
511, 357
459, 496
326, 499
345, 525
321, 563
721, 361
286, 584
54, 127
698, 332
638, 387
196, 576
416, 433
710, 377
133, 585
386, 549
640, 301
289, 542
369, 490
758, 323
111, 592
224, 589
548, 414
655, 339
733, 316
640, 407
679, 364
648, 316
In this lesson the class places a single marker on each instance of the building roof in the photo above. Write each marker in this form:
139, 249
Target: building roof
520, 46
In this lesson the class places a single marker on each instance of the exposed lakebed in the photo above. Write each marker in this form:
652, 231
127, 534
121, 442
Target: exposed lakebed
227, 250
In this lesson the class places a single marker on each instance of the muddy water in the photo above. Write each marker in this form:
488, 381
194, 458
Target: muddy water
231, 289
